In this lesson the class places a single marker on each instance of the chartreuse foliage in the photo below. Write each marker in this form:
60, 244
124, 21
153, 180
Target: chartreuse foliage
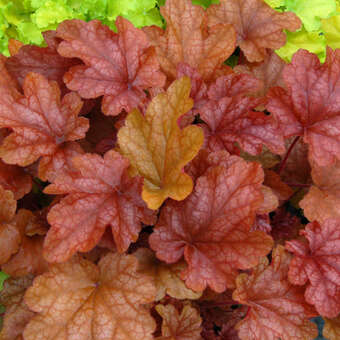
187, 200
26, 20
3, 277
320, 20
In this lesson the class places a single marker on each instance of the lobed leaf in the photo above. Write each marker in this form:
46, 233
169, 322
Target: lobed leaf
258, 26
184, 326
82, 300
117, 66
187, 39
276, 308
158, 148
99, 194
318, 263
309, 106
211, 228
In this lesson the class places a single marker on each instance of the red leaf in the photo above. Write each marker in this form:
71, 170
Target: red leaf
43, 60
277, 309
211, 227
100, 193
117, 66
269, 72
41, 122
187, 39
230, 117
309, 107
258, 26
318, 263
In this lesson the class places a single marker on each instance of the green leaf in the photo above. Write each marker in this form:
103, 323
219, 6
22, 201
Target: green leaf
139, 7
53, 12
331, 30
205, 3
311, 41
312, 11
275, 3
3, 277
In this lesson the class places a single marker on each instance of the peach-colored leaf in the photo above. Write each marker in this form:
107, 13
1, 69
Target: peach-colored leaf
277, 309
323, 199
158, 148
269, 71
40, 120
118, 66
187, 39
175, 326
21, 254
273, 180
100, 194
17, 313
318, 263
211, 228
8, 205
166, 276
331, 329
258, 26
79, 300
15, 179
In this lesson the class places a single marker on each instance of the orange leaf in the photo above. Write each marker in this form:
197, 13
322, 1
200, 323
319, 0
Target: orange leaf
258, 26
187, 39
212, 227
15, 179
318, 263
117, 66
20, 254
280, 189
17, 313
331, 330
78, 299
175, 326
277, 309
323, 199
100, 194
166, 277
158, 148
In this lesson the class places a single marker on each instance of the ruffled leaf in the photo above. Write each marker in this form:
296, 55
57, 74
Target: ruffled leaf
158, 148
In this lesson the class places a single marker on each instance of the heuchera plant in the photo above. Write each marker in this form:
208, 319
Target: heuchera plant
150, 191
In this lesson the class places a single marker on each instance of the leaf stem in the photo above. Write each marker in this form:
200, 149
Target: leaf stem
284, 161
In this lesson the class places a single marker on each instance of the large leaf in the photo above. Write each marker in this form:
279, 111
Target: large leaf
257, 25
158, 148
318, 263
82, 300
211, 228
100, 194
118, 66
277, 309
309, 107
187, 39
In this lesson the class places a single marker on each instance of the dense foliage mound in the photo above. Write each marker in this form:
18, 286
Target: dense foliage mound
150, 191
